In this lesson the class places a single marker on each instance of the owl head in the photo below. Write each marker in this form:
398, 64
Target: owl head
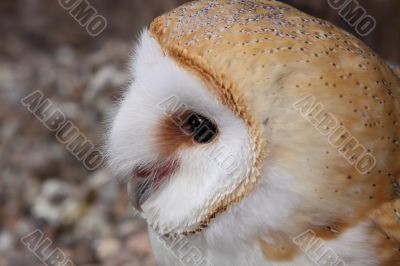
186, 155
220, 104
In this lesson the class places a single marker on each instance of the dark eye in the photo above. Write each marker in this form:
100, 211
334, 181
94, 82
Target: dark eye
200, 127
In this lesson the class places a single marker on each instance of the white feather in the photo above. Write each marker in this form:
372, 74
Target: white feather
202, 178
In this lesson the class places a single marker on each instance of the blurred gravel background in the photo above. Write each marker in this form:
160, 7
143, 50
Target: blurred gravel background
42, 186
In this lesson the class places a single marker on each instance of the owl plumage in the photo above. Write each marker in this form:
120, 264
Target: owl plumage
250, 124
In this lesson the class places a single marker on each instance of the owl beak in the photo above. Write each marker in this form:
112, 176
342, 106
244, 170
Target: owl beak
136, 197
147, 179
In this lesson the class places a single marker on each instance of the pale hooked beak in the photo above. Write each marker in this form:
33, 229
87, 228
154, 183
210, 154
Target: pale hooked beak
147, 179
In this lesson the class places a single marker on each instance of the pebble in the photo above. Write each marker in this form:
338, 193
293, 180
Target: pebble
6, 242
139, 244
107, 248
43, 186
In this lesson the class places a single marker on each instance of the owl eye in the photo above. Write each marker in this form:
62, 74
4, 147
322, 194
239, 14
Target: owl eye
200, 128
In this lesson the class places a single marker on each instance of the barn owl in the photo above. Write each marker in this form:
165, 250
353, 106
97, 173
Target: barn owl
261, 135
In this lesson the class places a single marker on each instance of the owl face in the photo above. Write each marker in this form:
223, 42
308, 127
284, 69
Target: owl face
181, 151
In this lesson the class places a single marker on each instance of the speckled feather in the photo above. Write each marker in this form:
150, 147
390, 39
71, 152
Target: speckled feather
259, 58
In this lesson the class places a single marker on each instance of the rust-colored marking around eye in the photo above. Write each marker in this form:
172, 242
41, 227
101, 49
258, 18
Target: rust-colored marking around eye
184, 129
170, 137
